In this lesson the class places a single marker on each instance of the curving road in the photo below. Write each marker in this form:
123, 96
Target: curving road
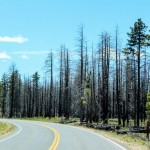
31, 135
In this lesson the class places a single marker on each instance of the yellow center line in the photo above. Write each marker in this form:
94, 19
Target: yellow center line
56, 137
56, 140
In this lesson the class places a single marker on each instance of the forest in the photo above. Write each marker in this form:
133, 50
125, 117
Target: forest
108, 82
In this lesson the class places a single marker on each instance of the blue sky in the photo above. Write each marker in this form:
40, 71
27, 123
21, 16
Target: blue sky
29, 29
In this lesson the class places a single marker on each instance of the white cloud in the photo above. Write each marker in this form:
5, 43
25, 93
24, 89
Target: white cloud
24, 57
3, 55
14, 39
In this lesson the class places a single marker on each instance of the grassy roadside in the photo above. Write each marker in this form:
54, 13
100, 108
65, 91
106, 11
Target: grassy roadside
5, 128
129, 141
52, 120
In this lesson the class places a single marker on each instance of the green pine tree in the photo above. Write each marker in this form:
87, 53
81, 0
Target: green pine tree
138, 39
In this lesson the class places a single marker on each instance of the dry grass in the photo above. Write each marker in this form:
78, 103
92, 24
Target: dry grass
5, 128
127, 140
53, 119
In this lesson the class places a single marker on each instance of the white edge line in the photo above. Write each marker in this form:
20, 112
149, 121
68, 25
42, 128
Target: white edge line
102, 137
97, 135
20, 129
108, 140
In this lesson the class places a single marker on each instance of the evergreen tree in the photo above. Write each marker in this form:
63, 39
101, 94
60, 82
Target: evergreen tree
137, 40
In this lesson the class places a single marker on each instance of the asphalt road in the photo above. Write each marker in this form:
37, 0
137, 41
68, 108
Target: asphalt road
31, 135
